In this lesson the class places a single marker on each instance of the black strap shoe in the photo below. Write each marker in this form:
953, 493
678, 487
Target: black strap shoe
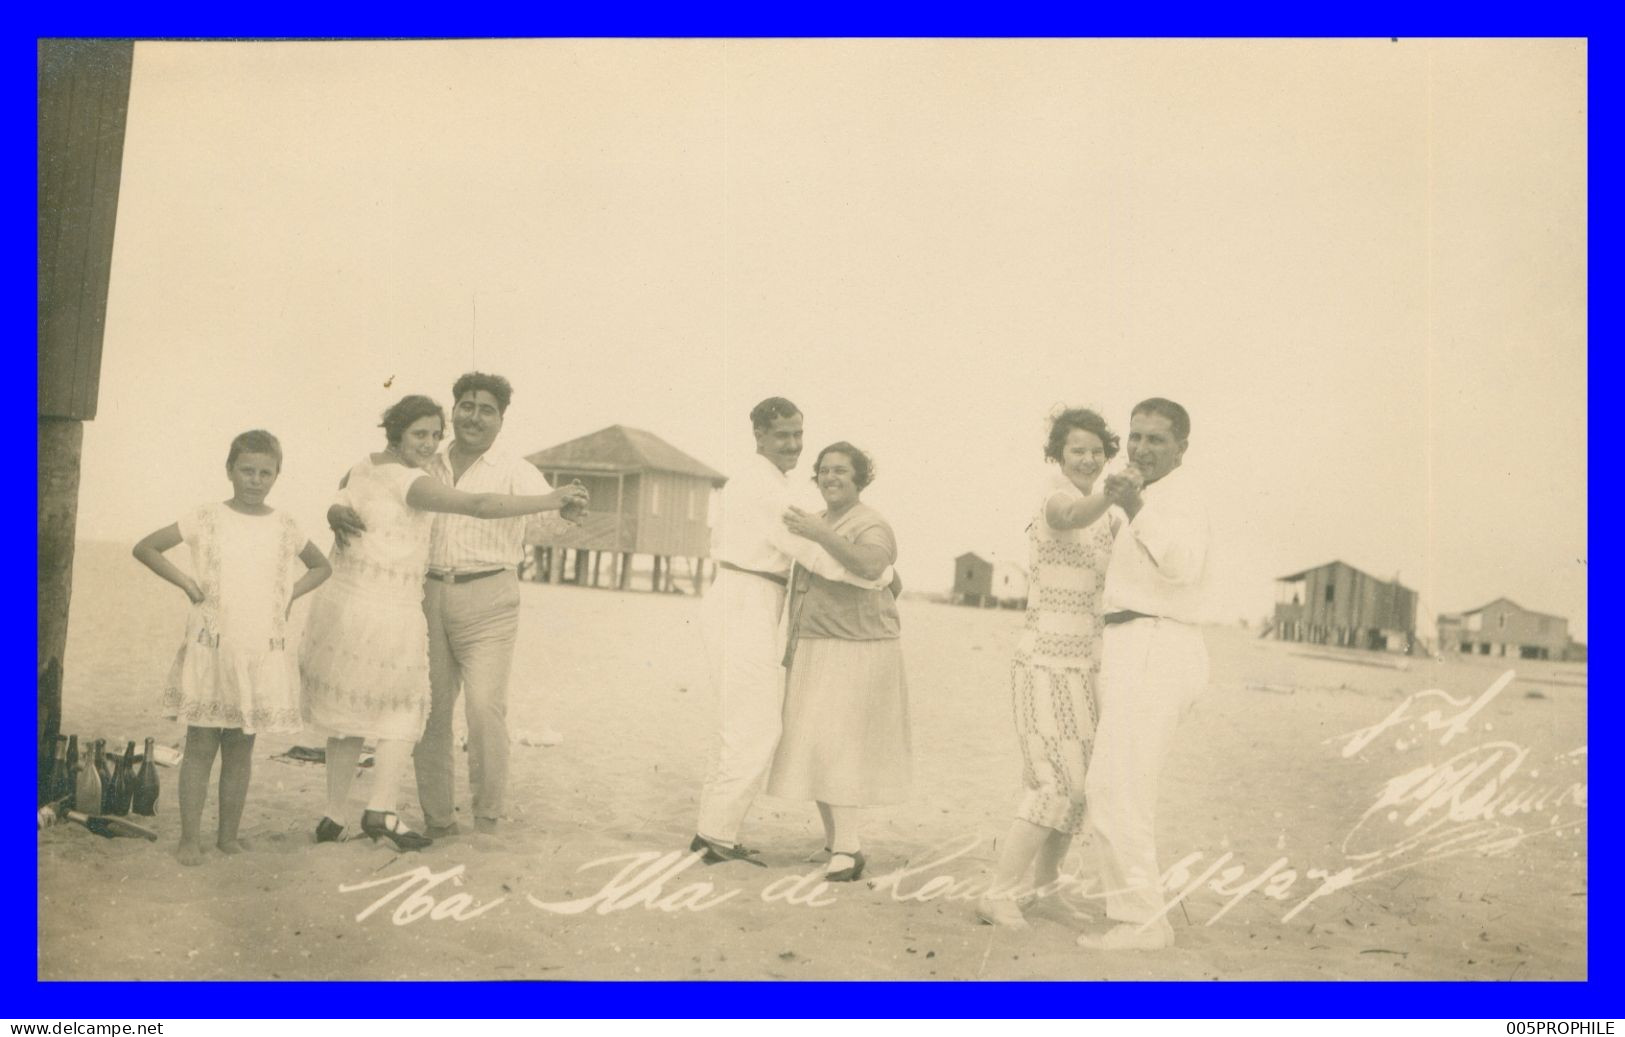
328, 830
380, 824
851, 873
717, 853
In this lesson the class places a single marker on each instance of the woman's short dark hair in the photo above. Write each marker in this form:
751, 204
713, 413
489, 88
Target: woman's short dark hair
764, 414
400, 416
255, 441
478, 381
1078, 418
863, 466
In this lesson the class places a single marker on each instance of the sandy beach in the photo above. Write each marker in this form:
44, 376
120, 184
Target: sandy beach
1320, 819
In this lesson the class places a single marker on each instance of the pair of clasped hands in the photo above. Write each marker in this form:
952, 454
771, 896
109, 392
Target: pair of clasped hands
1123, 488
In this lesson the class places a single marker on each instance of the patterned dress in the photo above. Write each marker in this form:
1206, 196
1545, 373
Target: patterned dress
234, 669
365, 657
1057, 662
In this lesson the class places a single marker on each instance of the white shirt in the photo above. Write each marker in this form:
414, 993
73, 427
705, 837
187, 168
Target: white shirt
751, 535
1159, 562
462, 543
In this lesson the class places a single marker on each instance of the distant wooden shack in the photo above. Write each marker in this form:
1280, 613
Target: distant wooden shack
1337, 604
648, 498
989, 582
1505, 628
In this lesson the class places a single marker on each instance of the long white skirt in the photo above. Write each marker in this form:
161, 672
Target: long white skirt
846, 734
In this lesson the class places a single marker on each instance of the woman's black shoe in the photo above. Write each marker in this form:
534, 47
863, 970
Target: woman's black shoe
328, 831
381, 824
851, 874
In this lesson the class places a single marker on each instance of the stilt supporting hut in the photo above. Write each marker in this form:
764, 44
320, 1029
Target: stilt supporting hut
648, 498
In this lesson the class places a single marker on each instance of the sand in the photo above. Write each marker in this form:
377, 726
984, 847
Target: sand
1258, 773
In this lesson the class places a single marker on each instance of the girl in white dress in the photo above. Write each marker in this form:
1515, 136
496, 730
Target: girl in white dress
365, 656
233, 676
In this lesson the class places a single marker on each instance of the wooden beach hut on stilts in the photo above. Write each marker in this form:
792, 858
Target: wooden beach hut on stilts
648, 498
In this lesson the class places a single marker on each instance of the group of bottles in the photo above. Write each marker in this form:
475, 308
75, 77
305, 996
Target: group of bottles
97, 785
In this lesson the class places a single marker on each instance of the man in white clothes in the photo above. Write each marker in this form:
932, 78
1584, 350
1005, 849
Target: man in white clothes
741, 624
1153, 666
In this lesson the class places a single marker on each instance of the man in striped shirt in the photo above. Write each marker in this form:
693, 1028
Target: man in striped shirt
471, 599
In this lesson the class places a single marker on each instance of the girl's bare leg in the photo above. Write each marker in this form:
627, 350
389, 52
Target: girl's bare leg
201, 745
236, 767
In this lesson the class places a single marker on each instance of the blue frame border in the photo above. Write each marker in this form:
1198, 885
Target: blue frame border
27, 997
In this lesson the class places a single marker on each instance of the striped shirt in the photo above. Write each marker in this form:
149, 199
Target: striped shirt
462, 543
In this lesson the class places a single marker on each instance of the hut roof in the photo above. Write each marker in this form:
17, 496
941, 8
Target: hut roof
619, 449
1295, 577
1509, 601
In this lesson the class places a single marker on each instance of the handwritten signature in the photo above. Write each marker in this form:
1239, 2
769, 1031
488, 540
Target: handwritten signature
1471, 802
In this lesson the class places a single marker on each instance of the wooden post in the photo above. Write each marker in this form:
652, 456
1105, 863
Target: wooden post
83, 92
620, 543
581, 568
597, 556
699, 577
654, 573
59, 442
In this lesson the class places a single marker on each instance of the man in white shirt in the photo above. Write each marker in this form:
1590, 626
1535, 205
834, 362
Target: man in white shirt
1153, 665
740, 623
471, 600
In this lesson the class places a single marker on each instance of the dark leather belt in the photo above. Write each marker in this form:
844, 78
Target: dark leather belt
463, 577
775, 577
1111, 619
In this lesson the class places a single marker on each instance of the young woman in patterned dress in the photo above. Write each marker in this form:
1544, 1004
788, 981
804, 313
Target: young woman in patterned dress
365, 657
1057, 661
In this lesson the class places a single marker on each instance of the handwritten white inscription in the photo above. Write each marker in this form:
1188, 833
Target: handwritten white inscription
413, 887
641, 882
1485, 799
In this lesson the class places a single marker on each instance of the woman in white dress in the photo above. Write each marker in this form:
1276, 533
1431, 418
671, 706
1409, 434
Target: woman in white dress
365, 658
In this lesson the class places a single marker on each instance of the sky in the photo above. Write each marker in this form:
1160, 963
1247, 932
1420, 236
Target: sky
1361, 265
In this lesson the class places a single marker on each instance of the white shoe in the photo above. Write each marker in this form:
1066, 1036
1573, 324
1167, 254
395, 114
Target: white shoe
1128, 937
1002, 912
